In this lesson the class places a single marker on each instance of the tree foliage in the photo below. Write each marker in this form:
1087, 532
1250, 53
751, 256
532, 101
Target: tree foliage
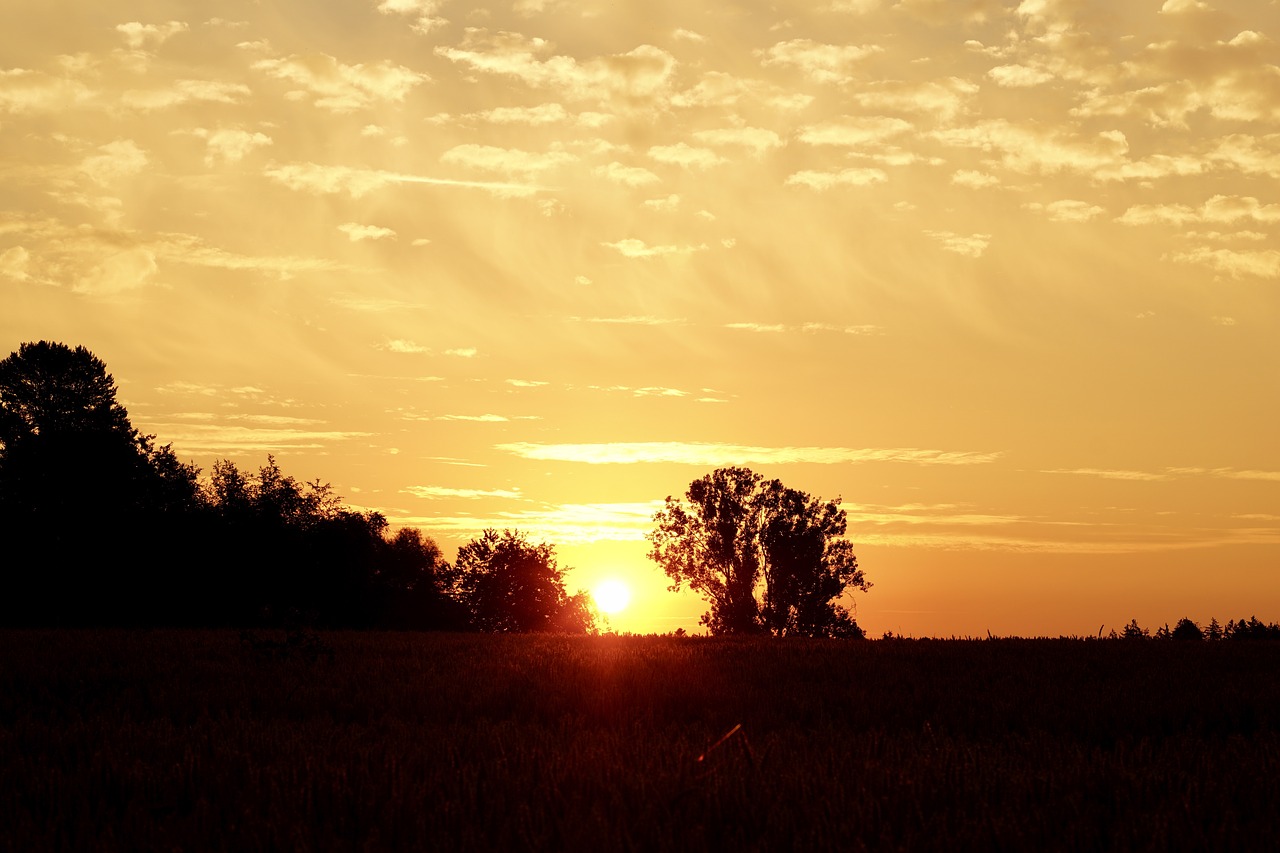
736, 535
508, 584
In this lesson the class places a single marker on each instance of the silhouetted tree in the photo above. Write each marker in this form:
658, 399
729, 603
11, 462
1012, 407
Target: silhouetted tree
735, 532
96, 508
1214, 631
1133, 631
1187, 630
508, 584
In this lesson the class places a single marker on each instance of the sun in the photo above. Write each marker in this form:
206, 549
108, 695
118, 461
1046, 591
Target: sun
612, 595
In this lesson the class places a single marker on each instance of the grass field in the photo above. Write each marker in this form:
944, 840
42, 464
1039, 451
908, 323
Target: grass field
360, 741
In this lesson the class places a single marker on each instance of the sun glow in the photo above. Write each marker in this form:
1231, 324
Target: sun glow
612, 595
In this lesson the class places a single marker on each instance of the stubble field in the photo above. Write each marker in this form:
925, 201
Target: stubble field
172, 740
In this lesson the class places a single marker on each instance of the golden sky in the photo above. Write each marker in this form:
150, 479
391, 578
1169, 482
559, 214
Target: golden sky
1004, 276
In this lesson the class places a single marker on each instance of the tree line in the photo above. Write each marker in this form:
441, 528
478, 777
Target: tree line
100, 525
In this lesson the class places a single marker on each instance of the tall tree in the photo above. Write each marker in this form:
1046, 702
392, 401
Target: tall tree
735, 535
508, 584
81, 489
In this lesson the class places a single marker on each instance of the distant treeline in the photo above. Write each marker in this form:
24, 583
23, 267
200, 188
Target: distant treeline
1252, 628
100, 526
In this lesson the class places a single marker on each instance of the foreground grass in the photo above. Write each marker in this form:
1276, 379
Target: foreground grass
200, 740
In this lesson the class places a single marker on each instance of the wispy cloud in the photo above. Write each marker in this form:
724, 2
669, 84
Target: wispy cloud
708, 453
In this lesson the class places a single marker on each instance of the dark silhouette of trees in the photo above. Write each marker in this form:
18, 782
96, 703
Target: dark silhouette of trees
79, 489
1186, 630
735, 533
98, 525
508, 584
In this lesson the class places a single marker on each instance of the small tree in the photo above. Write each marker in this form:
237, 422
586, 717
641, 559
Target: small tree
508, 584
736, 534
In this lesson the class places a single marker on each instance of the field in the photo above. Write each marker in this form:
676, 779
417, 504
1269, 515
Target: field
160, 740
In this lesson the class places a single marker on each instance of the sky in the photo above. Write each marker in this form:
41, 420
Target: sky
1002, 276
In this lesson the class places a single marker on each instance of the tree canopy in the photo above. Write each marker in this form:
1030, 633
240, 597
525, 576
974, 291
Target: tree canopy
768, 558
509, 584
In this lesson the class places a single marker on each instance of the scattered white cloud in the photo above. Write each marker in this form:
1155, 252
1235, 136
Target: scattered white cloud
856, 177
1068, 210
401, 345
118, 273
1261, 264
631, 176
509, 160
974, 180
341, 88
462, 352
422, 13
138, 35
230, 145
822, 63
685, 155
356, 232
634, 248
13, 263
119, 159
971, 245
1018, 76
539, 115
328, 180
670, 203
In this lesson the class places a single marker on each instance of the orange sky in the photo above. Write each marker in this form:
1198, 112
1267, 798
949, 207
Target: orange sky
1004, 276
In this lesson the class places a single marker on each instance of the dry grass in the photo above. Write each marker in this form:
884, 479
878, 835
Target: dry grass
207, 740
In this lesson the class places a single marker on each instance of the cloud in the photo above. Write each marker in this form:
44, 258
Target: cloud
231, 146
1068, 210
434, 492
509, 160
631, 176
1262, 264
971, 246
422, 12
341, 88
1040, 150
756, 139
119, 273
183, 92
639, 78
1179, 7
671, 202
805, 327
641, 320
26, 91
633, 248
541, 114
1018, 76
356, 232
328, 180
682, 154
713, 454
13, 263
462, 352
1107, 474
403, 346
119, 159
846, 177
822, 63
138, 35
1219, 209
974, 180
943, 99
